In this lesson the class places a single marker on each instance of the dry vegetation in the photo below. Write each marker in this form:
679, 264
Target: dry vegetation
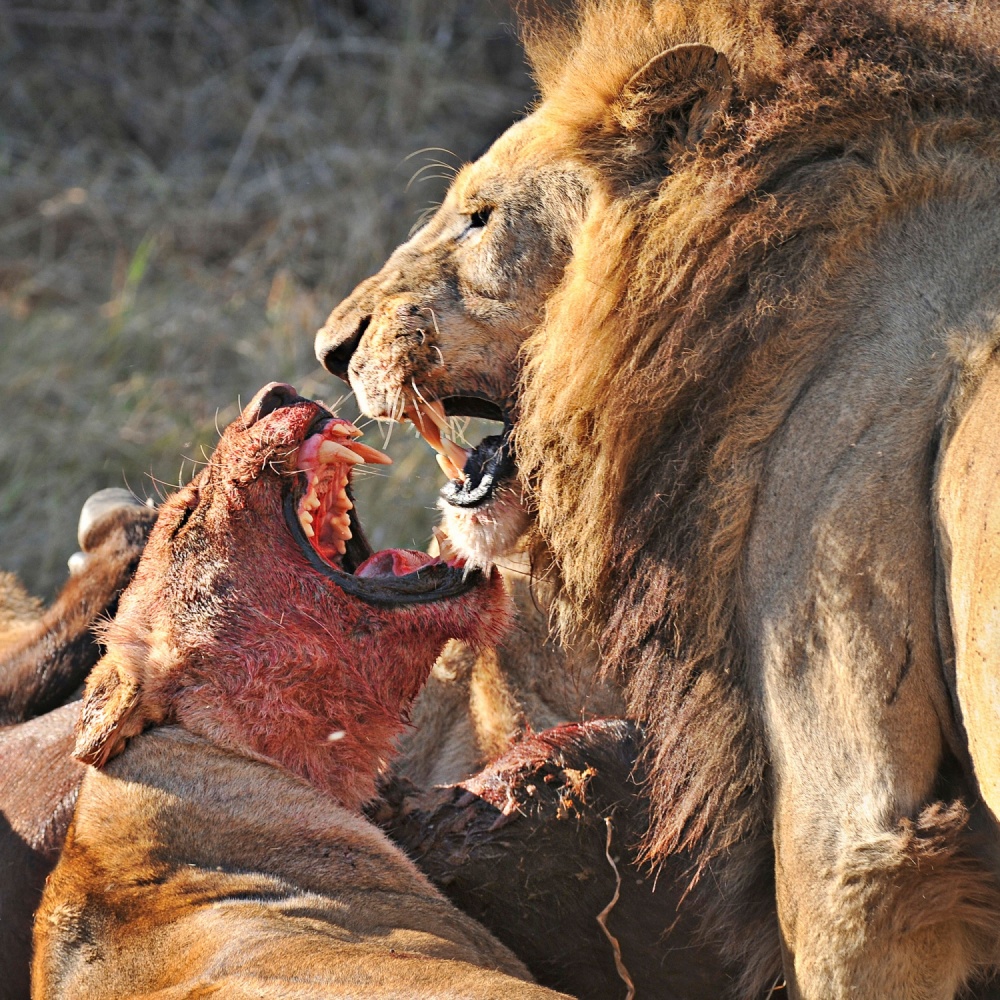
186, 188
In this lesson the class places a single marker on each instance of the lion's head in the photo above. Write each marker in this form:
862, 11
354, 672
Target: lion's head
642, 277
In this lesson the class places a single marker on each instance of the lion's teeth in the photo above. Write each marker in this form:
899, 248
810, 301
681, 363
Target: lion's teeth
446, 550
307, 527
331, 451
343, 430
425, 426
448, 467
435, 411
341, 546
311, 502
458, 455
342, 503
370, 454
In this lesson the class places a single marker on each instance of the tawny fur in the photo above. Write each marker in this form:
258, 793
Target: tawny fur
478, 703
769, 295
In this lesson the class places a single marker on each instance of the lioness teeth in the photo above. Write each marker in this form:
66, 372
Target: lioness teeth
331, 451
370, 454
327, 458
431, 422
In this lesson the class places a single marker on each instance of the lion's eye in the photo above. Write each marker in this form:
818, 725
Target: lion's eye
479, 218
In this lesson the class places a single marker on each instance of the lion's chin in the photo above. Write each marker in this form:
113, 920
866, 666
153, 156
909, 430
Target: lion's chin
481, 536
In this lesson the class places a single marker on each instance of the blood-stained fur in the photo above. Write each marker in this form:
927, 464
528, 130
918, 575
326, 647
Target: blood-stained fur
259, 668
732, 287
542, 847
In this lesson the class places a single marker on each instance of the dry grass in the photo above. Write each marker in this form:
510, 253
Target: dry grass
186, 188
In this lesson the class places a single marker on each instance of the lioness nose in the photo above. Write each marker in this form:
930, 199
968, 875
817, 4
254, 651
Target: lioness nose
272, 397
337, 341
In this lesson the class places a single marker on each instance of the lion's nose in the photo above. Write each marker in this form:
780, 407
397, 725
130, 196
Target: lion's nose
339, 339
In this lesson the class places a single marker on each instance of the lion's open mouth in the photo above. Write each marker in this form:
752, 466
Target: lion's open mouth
320, 512
474, 474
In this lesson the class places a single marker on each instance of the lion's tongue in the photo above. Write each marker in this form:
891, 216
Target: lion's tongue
393, 562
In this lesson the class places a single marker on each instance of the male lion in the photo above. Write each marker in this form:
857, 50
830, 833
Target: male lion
259, 666
753, 246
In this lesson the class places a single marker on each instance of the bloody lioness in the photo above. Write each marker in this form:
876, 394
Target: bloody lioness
260, 665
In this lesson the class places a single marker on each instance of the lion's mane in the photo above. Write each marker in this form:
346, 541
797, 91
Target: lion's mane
694, 311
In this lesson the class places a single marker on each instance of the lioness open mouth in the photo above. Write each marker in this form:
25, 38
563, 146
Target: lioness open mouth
321, 515
474, 474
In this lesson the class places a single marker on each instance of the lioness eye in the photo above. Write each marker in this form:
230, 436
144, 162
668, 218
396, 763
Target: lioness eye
479, 218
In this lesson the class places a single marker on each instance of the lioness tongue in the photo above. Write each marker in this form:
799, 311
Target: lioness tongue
431, 422
393, 562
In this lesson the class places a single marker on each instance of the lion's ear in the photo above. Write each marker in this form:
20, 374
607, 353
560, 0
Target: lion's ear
669, 103
112, 712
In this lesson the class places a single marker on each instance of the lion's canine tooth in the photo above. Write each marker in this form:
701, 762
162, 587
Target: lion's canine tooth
436, 412
426, 427
446, 550
370, 454
448, 467
331, 451
458, 455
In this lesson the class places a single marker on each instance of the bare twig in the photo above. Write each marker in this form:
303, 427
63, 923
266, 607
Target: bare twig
258, 120
602, 918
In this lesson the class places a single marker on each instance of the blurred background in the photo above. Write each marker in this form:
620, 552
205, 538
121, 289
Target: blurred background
187, 187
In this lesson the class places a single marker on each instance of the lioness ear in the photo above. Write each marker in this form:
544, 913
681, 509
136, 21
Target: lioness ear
111, 712
669, 103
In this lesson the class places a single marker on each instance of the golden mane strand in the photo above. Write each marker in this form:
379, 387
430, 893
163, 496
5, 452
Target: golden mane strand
692, 314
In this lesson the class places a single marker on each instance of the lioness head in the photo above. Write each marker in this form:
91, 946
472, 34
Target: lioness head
438, 331
260, 619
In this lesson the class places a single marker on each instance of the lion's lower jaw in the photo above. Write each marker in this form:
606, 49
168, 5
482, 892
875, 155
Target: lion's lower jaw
484, 535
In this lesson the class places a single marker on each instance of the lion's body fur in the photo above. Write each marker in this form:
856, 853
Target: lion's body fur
793, 311
265, 887
740, 386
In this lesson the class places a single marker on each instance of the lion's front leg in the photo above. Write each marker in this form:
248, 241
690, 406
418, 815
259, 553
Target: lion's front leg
886, 886
887, 913
882, 889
